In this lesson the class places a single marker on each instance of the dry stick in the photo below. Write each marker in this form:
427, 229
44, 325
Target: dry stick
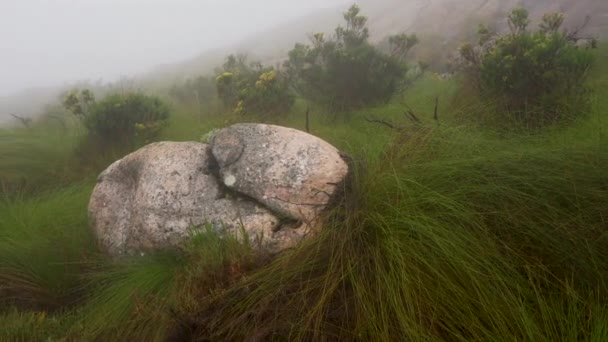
573, 35
381, 122
24, 121
409, 113
436, 112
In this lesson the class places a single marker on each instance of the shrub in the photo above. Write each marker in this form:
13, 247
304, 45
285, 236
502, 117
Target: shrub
126, 118
270, 95
79, 102
536, 76
253, 89
226, 89
118, 119
347, 72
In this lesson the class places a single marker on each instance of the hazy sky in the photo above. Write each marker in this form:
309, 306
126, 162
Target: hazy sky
48, 42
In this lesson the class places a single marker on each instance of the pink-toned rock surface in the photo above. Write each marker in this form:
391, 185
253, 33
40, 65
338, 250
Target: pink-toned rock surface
290, 172
268, 182
153, 198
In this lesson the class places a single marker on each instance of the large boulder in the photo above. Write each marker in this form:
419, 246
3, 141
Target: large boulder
153, 198
268, 182
291, 172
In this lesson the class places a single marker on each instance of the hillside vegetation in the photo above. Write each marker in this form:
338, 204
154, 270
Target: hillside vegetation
462, 220
443, 24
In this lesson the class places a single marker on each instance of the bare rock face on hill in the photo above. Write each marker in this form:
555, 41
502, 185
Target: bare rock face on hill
154, 198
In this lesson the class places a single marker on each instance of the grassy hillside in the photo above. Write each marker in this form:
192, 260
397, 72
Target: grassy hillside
448, 231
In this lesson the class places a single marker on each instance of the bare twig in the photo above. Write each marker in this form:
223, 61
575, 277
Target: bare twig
24, 121
573, 35
409, 113
436, 112
380, 122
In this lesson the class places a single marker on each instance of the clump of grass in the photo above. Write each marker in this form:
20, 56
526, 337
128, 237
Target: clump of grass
17, 325
127, 298
45, 245
442, 243
152, 297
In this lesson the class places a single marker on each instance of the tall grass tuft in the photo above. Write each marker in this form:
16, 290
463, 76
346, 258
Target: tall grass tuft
153, 297
45, 246
435, 242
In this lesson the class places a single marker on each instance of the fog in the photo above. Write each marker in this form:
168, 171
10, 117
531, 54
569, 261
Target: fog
48, 46
49, 42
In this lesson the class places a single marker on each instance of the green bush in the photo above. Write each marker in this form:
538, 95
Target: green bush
269, 95
346, 72
126, 119
119, 120
535, 76
253, 89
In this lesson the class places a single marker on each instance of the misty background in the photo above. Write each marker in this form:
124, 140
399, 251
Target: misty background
48, 42
48, 46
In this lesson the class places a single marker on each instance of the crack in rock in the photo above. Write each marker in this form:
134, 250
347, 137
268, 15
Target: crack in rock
282, 168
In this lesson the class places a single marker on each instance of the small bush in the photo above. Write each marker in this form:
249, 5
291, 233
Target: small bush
535, 76
347, 72
119, 120
127, 118
270, 95
253, 89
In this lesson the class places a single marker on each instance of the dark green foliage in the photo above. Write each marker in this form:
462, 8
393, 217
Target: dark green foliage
119, 120
79, 102
535, 76
253, 89
125, 119
269, 95
401, 44
345, 72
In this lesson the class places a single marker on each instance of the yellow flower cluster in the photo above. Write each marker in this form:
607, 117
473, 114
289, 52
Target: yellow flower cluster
265, 79
240, 108
224, 76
